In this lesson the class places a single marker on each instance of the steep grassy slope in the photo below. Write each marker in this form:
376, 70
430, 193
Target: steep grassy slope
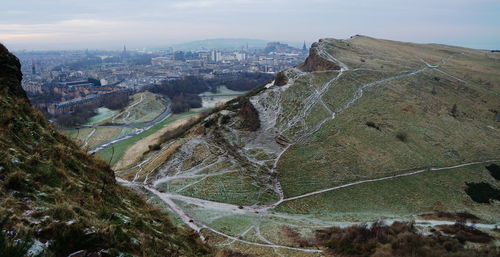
69, 201
445, 119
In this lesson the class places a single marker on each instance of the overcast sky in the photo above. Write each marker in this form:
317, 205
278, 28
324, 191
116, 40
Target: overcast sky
109, 24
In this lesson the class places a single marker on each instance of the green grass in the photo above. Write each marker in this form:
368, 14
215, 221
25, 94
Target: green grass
346, 150
427, 192
232, 225
102, 114
138, 111
233, 188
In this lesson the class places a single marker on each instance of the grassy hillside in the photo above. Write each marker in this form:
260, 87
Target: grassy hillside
417, 121
366, 129
57, 195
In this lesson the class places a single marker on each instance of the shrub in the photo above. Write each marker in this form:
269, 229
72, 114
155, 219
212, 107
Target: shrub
402, 136
482, 192
399, 239
457, 216
372, 124
466, 233
154, 147
225, 119
494, 171
209, 123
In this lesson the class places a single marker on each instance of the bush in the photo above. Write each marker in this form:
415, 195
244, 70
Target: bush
116, 101
225, 119
466, 233
400, 239
372, 124
402, 136
494, 171
482, 192
209, 123
183, 102
154, 147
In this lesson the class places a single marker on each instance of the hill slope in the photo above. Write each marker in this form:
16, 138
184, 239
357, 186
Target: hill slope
365, 129
66, 201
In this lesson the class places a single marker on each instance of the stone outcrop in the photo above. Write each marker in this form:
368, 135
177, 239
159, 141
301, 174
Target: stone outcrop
314, 62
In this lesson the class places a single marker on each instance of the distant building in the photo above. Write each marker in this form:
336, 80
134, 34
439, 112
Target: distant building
33, 67
124, 54
240, 56
277, 47
216, 56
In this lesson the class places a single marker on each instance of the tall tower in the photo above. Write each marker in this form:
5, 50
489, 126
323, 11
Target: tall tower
304, 47
33, 67
124, 53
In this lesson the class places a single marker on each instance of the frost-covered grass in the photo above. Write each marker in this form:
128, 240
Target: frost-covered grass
103, 114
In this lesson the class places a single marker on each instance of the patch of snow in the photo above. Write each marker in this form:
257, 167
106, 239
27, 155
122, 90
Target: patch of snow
37, 247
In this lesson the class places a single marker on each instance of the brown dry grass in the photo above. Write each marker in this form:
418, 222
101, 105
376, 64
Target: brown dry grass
136, 151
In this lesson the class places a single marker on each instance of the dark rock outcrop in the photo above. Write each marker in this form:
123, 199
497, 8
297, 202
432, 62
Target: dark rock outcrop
10, 73
314, 62
250, 116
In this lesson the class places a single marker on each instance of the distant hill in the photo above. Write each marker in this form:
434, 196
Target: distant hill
227, 43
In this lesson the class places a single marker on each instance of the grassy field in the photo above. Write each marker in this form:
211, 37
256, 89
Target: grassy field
231, 188
145, 106
103, 114
92, 137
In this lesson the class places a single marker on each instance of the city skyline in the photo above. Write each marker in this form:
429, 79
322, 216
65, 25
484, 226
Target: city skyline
60, 25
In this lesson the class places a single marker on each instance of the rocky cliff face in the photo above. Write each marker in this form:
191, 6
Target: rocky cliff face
56, 199
10, 72
315, 62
